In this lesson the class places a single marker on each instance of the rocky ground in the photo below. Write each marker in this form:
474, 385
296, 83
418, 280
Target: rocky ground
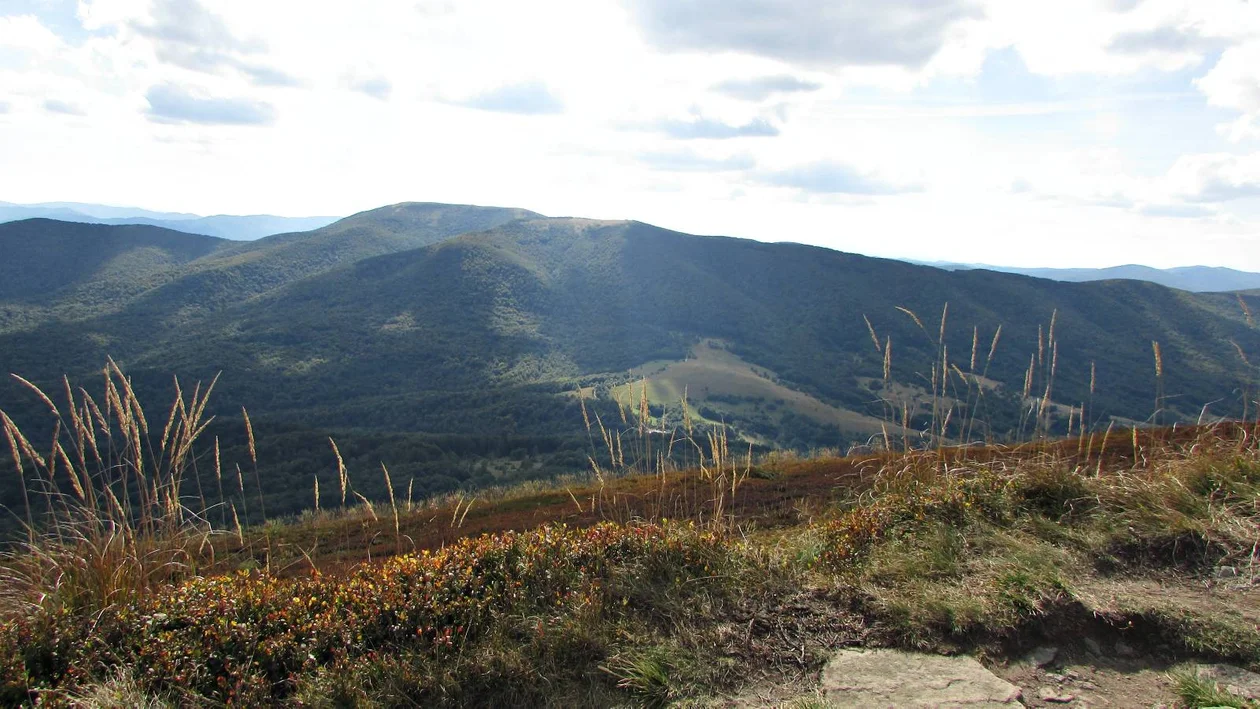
1085, 675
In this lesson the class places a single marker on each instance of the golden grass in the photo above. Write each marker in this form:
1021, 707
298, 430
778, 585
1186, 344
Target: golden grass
120, 527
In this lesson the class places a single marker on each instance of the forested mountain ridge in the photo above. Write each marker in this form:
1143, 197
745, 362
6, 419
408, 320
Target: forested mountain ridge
62, 270
204, 273
448, 341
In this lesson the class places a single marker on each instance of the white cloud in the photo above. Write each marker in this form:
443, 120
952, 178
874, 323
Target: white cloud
763, 87
1089, 37
371, 84
169, 103
1235, 83
690, 161
528, 98
814, 32
832, 177
1216, 177
24, 42
68, 108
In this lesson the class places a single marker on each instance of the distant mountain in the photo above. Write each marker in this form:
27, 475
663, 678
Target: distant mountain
449, 340
237, 228
45, 258
221, 272
95, 211
54, 270
1197, 279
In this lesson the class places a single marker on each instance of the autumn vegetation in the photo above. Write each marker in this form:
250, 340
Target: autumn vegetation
634, 585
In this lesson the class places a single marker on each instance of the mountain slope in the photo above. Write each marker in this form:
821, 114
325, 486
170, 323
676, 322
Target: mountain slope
234, 272
246, 270
44, 257
60, 269
561, 299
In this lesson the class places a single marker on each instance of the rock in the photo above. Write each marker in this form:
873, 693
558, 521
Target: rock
1093, 646
1040, 657
1226, 572
1234, 680
893, 678
1052, 695
1123, 649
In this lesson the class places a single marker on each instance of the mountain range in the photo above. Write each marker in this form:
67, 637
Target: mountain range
227, 226
1198, 279
460, 344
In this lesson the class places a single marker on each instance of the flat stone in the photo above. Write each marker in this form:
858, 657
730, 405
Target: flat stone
1093, 646
1234, 680
1042, 656
893, 678
1052, 695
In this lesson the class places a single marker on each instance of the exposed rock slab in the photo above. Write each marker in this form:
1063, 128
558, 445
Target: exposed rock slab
1234, 680
893, 678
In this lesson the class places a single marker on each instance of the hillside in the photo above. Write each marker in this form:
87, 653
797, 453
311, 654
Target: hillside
67, 270
1083, 572
555, 299
230, 272
449, 341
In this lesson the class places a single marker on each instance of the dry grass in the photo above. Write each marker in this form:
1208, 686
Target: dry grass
945, 555
931, 550
107, 518
949, 548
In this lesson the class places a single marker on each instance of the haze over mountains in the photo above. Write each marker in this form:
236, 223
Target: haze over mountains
1199, 279
450, 341
240, 228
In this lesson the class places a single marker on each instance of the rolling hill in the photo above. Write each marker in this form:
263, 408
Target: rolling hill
449, 341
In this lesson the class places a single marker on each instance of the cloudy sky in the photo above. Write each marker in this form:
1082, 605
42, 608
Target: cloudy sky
1073, 132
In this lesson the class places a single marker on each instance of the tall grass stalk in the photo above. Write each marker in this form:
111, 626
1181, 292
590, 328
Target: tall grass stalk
116, 524
708, 485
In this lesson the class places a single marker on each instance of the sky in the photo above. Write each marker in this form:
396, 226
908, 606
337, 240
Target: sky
1010, 132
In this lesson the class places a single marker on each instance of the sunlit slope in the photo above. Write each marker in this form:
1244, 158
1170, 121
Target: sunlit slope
721, 387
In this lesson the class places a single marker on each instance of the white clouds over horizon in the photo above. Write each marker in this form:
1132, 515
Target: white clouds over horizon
959, 130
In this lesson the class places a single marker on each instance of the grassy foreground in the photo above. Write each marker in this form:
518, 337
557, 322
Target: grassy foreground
964, 550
